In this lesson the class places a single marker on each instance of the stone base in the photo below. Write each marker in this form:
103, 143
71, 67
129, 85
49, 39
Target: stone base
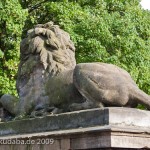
108, 128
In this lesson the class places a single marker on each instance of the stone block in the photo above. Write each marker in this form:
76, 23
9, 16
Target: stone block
108, 128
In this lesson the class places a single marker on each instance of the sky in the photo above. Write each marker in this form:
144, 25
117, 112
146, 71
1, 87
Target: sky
145, 4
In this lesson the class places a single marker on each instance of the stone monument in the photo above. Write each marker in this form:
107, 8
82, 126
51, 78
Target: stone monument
69, 102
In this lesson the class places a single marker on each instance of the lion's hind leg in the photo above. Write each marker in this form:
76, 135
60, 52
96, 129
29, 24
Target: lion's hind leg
85, 105
88, 104
100, 86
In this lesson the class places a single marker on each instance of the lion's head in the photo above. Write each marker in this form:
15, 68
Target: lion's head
51, 45
46, 52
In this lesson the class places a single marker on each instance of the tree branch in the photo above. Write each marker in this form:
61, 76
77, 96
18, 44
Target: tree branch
32, 8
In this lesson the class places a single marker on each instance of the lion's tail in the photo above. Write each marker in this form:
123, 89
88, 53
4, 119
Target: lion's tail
140, 97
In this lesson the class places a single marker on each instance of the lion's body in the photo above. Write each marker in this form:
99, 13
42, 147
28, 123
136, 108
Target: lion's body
48, 77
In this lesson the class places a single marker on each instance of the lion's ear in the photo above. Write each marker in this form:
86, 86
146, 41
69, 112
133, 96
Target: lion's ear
48, 25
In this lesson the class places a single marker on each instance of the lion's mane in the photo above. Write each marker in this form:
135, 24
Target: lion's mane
52, 45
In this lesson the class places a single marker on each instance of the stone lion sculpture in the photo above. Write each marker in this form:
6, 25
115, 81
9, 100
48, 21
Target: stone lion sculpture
49, 81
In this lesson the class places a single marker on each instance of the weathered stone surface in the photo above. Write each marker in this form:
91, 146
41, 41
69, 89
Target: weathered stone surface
109, 128
117, 117
49, 81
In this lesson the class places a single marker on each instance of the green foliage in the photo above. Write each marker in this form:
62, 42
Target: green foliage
12, 18
110, 31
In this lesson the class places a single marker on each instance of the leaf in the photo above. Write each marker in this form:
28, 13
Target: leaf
1, 54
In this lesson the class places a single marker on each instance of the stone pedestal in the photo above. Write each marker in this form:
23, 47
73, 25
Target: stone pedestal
108, 128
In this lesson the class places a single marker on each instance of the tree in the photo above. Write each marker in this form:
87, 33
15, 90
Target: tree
12, 18
110, 31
